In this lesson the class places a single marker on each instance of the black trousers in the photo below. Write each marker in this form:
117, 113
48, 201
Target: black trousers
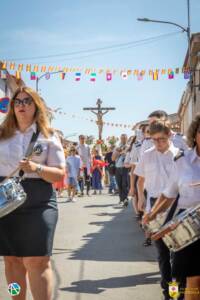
164, 261
122, 182
87, 180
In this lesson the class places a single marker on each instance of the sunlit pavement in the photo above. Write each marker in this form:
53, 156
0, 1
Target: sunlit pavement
98, 253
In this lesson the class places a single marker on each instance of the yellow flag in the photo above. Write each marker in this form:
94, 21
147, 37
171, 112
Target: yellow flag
28, 68
18, 75
12, 66
65, 69
4, 65
155, 75
51, 68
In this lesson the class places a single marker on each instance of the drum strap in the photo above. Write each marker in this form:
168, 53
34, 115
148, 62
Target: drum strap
30, 148
172, 210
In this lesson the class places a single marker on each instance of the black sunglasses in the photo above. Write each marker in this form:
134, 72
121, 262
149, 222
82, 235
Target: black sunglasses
25, 101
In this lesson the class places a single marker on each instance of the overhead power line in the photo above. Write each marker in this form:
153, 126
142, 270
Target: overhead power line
95, 51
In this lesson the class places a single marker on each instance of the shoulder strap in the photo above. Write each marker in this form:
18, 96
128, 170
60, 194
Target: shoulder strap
179, 155
30, 148
32, 143
172, 210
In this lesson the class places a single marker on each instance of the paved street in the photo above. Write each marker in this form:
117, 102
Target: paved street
98, 254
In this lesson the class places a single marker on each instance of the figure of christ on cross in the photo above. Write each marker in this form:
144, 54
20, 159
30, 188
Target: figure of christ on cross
99, 112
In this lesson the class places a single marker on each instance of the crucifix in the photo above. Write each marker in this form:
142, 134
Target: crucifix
99, 112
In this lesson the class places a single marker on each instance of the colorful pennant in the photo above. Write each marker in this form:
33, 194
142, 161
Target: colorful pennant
33, 76
77, 76
109, 76
93, 76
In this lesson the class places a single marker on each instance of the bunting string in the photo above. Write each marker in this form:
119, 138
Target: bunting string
75, 116
36, 70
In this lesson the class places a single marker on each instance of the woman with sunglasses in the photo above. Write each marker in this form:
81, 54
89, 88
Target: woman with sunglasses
27, 233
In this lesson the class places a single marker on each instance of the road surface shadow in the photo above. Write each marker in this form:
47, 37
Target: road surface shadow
119, 239
98, 206
99, 286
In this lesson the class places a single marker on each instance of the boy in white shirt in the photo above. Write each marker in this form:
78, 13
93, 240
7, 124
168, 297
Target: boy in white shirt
73, 171
153, 170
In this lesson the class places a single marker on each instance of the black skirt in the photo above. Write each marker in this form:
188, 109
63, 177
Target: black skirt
186, 262
29, 230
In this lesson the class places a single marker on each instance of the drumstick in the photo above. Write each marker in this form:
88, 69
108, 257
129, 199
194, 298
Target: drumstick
162, 233
195, 184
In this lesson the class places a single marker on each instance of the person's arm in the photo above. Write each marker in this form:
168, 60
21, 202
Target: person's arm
140, 171
50, 174
167, 197
127, 164
54, 169
115, 154
132, 191
161, 205
141, 197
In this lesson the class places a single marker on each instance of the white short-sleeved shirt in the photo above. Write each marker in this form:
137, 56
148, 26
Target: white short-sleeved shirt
127, 158
135, 153
155, 167
73, 165
185, 170
13, 150
84, 153
119, 163
147, 143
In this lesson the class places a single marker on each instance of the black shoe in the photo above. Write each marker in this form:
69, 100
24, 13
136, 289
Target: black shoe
125, 203
147, 242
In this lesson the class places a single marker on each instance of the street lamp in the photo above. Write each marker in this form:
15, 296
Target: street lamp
187, 30
43, 75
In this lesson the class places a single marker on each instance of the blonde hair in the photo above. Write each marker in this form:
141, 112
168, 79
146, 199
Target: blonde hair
9, 125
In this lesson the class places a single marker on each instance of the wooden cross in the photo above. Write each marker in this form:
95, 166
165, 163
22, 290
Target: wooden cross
99, 112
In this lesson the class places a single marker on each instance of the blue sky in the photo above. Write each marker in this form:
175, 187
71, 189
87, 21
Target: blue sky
40, 28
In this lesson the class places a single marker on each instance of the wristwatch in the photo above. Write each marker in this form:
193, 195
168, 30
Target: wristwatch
39, 169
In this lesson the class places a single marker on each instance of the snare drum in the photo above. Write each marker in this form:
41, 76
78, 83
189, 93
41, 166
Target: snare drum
12, 195
182, 231
155, 225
